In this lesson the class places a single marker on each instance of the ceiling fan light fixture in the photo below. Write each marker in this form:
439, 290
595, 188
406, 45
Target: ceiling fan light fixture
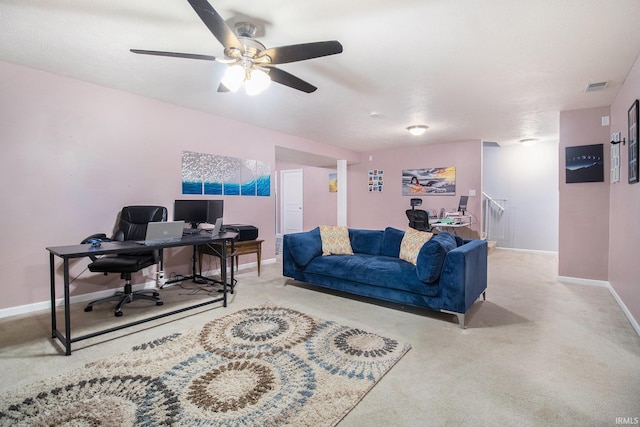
257, 82
233, 77
417, 130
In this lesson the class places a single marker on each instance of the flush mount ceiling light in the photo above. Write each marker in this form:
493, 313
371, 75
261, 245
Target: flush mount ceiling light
417, 130
528, 142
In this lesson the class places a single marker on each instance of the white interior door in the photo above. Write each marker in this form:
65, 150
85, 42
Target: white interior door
292, 192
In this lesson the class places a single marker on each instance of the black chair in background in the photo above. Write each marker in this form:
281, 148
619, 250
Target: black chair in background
418, 218
132, 225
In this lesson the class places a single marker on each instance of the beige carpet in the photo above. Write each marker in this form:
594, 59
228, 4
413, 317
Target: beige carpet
262, 366
537, 352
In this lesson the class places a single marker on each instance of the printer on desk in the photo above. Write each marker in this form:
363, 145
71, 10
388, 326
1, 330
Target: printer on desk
245, 232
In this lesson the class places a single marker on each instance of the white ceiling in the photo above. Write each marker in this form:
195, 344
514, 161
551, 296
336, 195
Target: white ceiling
496, 70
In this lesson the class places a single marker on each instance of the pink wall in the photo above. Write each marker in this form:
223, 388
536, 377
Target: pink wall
583, 248
74, 153
318, 204
624, 211
379, 210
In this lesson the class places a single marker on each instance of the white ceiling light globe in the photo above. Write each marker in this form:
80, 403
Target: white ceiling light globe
233, 77
258, 82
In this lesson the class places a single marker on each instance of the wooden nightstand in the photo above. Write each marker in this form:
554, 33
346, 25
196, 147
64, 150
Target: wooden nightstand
241, 248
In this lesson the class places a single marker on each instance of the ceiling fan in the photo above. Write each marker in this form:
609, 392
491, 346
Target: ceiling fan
250, 63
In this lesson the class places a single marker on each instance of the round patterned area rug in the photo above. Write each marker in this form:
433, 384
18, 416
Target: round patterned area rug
261, 366
257, 332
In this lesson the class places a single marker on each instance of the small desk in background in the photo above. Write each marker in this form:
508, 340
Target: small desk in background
240, 248
459, 222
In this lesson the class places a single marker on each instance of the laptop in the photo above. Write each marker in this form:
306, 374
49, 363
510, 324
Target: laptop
217, 227
161, 232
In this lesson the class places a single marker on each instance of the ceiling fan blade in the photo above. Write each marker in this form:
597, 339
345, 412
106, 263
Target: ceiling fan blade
174, 54
284, 78
300, 52
216, 24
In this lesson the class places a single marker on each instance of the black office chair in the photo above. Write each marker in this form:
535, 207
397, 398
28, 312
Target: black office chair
418, 218
132, 225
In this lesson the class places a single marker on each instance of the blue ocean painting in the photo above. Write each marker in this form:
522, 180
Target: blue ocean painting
191, 174
216, 175
213, 188
212, 167
248, 188
248, 178
231, 189
264, 185
190, 187
263, 178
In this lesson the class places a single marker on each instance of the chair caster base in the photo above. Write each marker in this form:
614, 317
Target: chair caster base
159, 303
88, 309
118, 313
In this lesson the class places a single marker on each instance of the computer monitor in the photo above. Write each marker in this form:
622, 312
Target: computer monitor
462, 206
215, 210
191, 211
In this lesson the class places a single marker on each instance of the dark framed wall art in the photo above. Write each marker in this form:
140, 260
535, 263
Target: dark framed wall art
633, 142
584, 163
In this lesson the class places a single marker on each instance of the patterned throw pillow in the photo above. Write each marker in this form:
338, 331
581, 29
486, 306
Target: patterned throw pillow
412, 243
335, 240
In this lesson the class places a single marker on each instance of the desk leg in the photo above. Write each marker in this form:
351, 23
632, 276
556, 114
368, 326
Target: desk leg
223, 273
52, 281
259, 256
67, 314
233, 249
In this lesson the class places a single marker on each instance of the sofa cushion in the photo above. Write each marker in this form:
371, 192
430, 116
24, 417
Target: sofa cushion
366, 241
305, 246
391, 241
335, 240
431, 256
385, 272
412, 243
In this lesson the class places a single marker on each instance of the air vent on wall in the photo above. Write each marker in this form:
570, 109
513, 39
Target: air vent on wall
592, 87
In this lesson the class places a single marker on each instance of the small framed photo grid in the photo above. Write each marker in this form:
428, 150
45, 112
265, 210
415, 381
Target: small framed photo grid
376, 180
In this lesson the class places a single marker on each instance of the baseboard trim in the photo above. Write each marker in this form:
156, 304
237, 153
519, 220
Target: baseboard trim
46, 305
588, 282
533, 251
605, 284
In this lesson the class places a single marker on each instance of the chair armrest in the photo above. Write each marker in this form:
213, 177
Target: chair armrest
100, 236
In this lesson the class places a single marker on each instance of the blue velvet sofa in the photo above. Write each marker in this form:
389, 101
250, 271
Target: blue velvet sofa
449, 276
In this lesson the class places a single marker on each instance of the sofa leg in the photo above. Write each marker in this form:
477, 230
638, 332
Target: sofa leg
460, 317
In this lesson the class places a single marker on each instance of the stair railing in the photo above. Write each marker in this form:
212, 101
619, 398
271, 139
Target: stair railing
493, 210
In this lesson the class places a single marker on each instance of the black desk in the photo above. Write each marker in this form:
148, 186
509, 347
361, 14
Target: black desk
81, 251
